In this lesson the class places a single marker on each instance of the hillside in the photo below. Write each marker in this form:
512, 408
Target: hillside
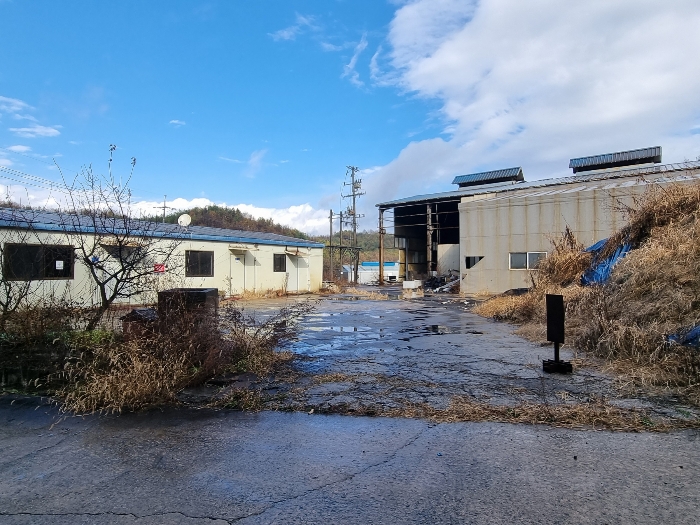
233, 219
368, 241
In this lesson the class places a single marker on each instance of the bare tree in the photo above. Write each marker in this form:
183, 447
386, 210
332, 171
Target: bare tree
120, 252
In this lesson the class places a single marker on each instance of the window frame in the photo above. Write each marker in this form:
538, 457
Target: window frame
472, 260
534, 267
43, 260
188, 270
276, 267
527, 260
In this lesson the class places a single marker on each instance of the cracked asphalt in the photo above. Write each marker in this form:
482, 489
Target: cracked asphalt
364, 356
188, 466
201, 466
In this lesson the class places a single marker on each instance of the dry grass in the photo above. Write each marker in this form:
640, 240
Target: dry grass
334, 377
257, 340
116, 375
240, 399
652, 293
260, 294
366, 294
597, 414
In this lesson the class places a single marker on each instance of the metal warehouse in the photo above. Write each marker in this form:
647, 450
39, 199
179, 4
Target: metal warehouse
233, 261
496, 226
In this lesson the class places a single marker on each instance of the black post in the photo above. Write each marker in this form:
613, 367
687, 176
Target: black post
555, 334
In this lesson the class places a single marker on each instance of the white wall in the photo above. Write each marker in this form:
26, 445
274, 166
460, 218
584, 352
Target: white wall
253, 271
448, 258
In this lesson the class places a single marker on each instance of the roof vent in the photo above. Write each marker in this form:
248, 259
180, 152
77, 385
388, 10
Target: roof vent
616, 160
490, 177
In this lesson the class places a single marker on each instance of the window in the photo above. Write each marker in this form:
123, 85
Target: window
526, 260
470, 262
400, 243
534, 258
279, 262
26, 262
518, 261
199, 264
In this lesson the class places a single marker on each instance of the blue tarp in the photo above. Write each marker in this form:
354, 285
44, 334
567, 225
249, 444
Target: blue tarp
600, 270
689, 338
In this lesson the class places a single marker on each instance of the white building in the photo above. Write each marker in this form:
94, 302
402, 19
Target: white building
496, 226
41, 247
368, 272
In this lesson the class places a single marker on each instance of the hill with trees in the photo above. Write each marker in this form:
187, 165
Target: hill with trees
231, 218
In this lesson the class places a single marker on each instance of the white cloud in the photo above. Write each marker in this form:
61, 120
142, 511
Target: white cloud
302, 217
235, 161
536, 83
177, 123
12, 105
349, 70
327, 46
291, 32
30, 118
19, 148
5, 162
255, 162
36, 131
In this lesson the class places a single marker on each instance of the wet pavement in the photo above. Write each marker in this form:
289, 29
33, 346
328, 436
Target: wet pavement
188, 466
201, 466
365, 357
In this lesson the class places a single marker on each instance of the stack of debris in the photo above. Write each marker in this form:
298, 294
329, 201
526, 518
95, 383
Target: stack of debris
448, 283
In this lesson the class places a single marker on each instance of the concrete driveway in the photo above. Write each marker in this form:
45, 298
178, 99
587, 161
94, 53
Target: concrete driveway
192, 467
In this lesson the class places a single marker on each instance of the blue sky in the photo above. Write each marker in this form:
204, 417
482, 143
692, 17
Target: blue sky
264, 103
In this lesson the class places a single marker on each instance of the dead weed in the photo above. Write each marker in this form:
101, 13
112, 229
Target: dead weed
596, 414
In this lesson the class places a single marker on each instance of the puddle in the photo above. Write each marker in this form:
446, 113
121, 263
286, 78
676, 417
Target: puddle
438, 329
336, 328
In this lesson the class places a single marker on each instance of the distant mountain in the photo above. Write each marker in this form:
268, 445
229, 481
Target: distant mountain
233, 219
368, 241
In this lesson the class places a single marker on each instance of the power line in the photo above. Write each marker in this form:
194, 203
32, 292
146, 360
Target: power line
32, 180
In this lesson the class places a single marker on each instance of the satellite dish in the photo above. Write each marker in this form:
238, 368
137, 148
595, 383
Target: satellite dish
184, 220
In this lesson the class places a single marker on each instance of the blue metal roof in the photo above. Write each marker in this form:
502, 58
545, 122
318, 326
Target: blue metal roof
508, 174
621, 158
51, 221
456, 195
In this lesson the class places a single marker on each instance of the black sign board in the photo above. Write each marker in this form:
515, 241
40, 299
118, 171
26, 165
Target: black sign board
555, 318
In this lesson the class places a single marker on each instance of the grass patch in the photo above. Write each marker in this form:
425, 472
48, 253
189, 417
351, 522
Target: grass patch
334, 377
116, 375
596, 414
366, 294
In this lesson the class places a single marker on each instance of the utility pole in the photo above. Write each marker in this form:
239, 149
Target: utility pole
164, 207
381, 246
429, 240
340, 243
355, 187
330, 247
